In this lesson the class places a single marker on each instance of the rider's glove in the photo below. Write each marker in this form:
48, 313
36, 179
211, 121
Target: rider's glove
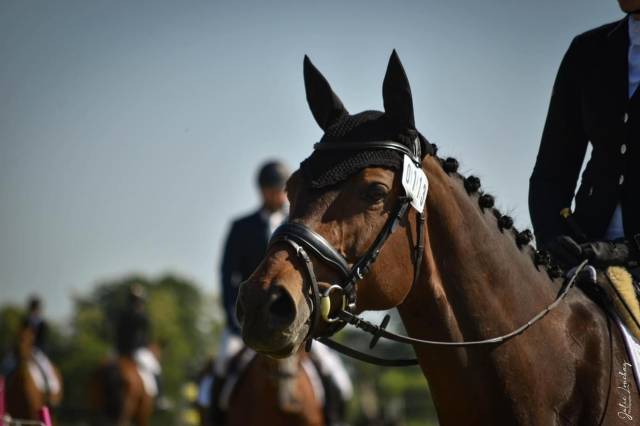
609, 253
565, 251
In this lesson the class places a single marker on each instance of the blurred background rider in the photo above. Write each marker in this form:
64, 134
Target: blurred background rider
35, 320
132, 340
244, 249
45, 376
246, 244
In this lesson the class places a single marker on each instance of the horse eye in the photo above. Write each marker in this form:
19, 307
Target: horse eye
375, 192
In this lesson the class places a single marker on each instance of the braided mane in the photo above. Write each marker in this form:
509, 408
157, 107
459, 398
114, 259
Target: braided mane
523, 239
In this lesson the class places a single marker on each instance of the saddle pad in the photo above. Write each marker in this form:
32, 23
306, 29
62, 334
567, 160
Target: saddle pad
148, 381
625, 301
633, 350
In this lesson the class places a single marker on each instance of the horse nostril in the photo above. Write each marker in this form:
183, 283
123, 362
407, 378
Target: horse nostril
282, 310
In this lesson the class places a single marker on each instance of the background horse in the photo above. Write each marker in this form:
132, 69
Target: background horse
117, 393
23, 398
275, 391
479, 278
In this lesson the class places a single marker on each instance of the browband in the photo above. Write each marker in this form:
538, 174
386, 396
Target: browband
414, 154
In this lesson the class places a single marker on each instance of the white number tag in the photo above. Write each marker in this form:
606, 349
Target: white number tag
415, 183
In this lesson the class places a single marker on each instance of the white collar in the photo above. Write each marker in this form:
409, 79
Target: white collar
634, 31
269, 215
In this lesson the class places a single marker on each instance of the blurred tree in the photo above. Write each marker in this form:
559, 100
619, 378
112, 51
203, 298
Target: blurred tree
10, 320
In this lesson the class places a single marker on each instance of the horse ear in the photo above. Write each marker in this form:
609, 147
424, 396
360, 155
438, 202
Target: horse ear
325, 105
396, 93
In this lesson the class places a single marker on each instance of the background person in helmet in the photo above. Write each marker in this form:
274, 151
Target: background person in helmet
246, 243
244, 248
133, 333
133, 329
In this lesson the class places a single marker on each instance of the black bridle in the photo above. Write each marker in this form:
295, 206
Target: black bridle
303, 239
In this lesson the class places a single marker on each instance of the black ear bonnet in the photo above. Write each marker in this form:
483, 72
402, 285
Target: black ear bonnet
329, 167
326, 168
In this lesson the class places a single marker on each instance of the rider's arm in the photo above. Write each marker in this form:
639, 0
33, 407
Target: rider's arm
561, 153
230, 274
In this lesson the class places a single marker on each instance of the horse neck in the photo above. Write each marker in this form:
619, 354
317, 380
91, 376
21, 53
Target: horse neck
25, 346
476, 284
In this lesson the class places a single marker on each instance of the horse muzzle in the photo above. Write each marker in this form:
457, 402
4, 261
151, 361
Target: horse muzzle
271, 321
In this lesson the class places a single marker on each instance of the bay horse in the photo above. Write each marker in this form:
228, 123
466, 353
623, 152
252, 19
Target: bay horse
475, 277
275, 392
117, 393
24, 399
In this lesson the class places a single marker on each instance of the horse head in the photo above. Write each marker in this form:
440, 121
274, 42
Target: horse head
342, 199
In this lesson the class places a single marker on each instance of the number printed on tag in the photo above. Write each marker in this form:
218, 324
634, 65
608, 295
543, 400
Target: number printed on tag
415, 183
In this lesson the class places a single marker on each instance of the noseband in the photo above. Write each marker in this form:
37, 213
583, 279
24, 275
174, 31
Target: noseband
304, 240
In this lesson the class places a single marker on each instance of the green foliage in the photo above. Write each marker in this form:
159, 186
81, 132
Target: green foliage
10, 320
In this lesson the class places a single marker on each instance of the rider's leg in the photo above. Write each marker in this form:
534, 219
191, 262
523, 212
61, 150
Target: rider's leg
53, 383
230, 345
147, 361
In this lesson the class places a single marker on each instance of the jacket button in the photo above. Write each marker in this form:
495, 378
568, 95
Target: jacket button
626, 117
621, 180
623, 148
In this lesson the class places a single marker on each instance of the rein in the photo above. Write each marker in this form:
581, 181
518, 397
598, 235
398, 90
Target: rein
301, 239
380, 331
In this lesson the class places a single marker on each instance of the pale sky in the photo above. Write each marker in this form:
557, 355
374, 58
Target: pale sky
130, 132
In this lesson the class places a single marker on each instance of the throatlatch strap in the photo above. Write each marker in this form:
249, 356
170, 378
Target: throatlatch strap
371, 359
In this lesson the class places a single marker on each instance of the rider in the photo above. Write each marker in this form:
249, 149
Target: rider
34, 321
595, 99
132, 341
245, 247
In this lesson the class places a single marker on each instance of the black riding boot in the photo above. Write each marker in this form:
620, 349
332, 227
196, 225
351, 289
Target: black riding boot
334, 405
162, 403
217, 414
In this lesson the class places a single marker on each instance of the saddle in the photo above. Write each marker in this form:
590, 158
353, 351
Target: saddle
621, 292
617, 291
